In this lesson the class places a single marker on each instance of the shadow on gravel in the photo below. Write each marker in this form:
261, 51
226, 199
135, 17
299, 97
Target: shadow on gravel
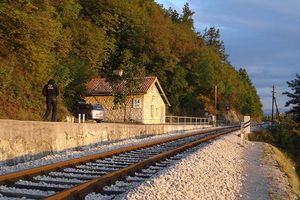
32, 157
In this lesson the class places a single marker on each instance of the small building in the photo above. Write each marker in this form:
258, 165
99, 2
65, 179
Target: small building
147, 105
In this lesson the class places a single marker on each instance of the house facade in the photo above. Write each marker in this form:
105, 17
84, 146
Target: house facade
148, 105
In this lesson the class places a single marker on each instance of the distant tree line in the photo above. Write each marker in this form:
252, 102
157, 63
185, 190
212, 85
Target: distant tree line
75, 40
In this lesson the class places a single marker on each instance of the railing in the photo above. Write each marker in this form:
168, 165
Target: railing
187, 120
180, 120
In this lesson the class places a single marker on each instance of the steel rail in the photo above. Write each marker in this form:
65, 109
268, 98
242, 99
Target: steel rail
79, 192
25, 174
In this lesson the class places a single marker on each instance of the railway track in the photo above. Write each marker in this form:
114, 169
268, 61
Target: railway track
74, 179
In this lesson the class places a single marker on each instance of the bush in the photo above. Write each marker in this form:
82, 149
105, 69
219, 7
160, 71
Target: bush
285, 136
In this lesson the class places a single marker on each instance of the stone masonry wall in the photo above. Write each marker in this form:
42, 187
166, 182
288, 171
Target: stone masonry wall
113, 114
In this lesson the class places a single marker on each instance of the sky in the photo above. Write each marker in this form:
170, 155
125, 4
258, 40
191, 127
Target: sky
261, 36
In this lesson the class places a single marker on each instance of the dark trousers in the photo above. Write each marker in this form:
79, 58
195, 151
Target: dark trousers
51, 105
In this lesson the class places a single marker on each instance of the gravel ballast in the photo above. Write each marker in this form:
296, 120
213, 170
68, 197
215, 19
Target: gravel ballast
223, 169
212, 172
87, 150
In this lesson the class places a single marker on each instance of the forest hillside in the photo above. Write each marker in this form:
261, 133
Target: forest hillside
76, 40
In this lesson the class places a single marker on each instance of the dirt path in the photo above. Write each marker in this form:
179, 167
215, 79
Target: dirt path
255, 183
262, 177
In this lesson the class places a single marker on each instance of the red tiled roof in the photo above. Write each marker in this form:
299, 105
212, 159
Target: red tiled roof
99, 86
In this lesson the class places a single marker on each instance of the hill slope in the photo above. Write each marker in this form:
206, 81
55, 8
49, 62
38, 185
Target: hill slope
75, 40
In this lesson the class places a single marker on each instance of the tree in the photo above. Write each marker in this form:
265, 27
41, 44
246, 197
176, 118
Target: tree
294, 97
125, 78
212, 38
76, 40
248, 100
187, 16
173, 14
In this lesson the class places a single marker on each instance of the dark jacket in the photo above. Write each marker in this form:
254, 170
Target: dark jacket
50, 90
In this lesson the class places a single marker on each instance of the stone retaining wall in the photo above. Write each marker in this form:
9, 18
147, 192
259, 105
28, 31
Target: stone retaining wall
25, 140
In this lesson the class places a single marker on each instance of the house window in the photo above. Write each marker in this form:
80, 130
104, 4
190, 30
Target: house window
137, 103
152, 111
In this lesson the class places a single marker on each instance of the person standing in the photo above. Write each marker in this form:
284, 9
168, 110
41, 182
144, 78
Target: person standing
50, 91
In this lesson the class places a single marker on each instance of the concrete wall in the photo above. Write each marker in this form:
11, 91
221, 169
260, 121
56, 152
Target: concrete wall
26, 140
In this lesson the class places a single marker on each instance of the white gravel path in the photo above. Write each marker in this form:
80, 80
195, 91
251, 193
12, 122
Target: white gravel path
223, 169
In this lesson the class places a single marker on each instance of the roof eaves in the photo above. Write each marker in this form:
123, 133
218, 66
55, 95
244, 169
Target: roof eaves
110, 94
162, 93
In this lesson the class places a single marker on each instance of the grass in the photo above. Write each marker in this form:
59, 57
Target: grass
288, 166
287, 162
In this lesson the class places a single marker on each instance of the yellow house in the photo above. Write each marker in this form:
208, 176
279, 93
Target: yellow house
147, 106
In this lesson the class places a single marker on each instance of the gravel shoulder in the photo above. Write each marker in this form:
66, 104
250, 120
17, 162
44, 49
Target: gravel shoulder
263, 176
279, 186
255, 184
223, 169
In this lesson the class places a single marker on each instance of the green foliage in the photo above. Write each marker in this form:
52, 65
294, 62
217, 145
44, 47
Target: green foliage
212, 38
249, 102
75, 40
126, 78
185, 18
79, 74
285, 136
294, 97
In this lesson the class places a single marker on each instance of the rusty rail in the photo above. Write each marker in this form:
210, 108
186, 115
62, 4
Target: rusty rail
7, 178
79, 191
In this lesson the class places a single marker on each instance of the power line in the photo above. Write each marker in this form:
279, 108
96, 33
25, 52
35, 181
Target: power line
274, 104
277, 111
281, 88
273, 95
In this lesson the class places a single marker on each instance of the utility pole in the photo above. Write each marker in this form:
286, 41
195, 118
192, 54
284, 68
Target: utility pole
273, 97
277, 111
216, 98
